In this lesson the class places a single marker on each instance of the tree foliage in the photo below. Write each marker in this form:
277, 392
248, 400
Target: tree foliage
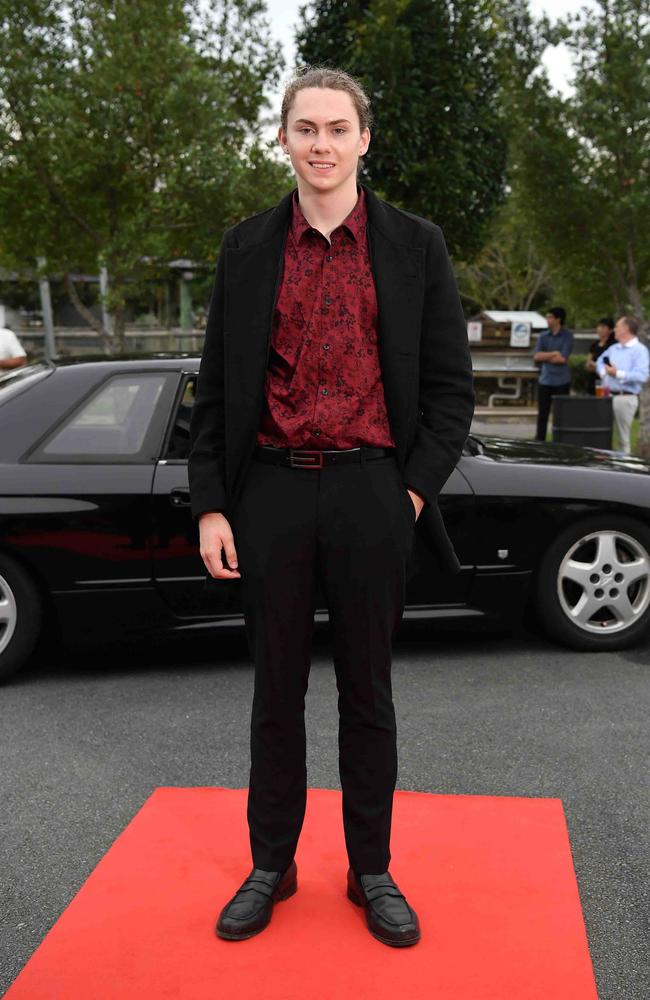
582, 165
430, 67
509, 272
129, 133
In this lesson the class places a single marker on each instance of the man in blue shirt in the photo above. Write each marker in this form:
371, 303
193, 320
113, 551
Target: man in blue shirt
553, 349
623, 368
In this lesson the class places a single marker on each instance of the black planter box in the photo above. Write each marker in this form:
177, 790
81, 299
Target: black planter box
585, 420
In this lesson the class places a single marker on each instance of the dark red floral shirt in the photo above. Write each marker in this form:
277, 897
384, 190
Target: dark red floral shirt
323, 386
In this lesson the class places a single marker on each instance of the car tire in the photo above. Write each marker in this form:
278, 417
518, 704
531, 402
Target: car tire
21, 616
593, 587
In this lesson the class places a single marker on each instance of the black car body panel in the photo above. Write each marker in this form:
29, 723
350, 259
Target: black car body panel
111, 542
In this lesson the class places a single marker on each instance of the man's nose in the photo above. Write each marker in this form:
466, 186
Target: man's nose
320, 142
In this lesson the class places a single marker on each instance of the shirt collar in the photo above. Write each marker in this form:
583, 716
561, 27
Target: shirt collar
630, 343
355, 222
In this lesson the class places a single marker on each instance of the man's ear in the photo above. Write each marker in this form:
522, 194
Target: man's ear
365, 142
282, 138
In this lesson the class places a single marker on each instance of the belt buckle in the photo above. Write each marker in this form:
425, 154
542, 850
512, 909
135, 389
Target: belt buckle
296, 456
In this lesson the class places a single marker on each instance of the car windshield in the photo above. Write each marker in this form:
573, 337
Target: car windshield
18, 379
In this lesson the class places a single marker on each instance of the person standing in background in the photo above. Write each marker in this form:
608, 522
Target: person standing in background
624, 369
553, 349
605, 333
12, 353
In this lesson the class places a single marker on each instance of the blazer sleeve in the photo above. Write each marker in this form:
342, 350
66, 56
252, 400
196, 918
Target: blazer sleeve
446, 389
206, 463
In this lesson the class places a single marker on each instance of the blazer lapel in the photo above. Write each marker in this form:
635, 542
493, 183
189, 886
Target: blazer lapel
253, 275
399, 281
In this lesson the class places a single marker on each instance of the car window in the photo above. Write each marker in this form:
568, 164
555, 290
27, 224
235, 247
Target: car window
113, 421
179, 440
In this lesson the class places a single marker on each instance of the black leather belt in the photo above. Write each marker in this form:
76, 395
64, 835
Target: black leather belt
304, 458
618, 392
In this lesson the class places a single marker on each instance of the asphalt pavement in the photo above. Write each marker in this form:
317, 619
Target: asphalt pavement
86, 736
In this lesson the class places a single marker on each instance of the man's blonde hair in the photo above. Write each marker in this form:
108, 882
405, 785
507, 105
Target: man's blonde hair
332, 79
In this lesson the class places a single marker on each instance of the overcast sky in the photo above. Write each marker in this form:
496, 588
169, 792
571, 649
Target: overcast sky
284, 15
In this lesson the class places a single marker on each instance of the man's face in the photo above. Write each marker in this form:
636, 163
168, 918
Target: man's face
621, 332
553, 322
323, 138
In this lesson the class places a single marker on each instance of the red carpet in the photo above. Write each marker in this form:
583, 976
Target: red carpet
491, 878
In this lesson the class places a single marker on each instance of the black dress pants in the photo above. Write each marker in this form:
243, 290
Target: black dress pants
544, 400
352, 527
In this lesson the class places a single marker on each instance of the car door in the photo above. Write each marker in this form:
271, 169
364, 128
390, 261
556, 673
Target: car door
427, 586
88, 482
178, 570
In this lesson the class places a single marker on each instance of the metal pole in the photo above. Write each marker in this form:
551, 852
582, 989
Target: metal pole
186, 301
46, 308
107, 319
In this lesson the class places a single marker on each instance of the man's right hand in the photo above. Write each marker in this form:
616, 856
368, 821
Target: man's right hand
216, 534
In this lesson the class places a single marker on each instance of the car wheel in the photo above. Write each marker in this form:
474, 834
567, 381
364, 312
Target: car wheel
593, 589
21, 616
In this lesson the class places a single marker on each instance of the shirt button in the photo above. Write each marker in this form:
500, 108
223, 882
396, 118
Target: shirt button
326, 347
316, 432
324, 392
329, 258
328, 301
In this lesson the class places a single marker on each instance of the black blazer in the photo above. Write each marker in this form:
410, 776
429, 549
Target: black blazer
423, 353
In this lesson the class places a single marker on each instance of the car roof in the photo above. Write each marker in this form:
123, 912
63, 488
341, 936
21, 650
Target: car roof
123, 362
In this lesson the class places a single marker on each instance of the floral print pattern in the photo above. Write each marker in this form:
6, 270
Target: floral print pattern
323, 385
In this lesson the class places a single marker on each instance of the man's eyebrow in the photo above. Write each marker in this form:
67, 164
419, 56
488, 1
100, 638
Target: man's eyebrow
335, 121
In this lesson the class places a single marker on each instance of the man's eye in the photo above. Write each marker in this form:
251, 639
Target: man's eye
340, 130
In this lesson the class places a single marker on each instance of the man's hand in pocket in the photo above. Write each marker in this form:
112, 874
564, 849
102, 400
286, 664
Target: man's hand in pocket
418, 502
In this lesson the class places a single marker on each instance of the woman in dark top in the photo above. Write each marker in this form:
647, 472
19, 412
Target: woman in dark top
605, 331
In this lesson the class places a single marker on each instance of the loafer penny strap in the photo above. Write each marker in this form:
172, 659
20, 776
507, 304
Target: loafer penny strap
258, 885
374, 892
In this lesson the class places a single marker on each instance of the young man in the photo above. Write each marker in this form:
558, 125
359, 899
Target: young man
333, 400
553, 349
623, 367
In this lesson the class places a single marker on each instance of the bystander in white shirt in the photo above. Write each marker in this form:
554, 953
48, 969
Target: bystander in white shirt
624, 374
12, 353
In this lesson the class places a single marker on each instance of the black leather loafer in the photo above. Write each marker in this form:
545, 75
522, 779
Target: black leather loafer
250, 909
389, 917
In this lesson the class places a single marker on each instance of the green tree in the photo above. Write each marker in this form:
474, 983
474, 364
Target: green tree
509, 272
430, 67
130, 134
582, 165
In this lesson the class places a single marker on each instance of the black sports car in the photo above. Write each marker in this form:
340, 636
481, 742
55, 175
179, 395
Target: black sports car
96, 535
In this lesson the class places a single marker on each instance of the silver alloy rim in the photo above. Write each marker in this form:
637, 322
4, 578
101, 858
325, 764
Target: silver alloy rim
8, 614
603, 582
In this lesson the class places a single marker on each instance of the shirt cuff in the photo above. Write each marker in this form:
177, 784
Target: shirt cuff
620, 374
